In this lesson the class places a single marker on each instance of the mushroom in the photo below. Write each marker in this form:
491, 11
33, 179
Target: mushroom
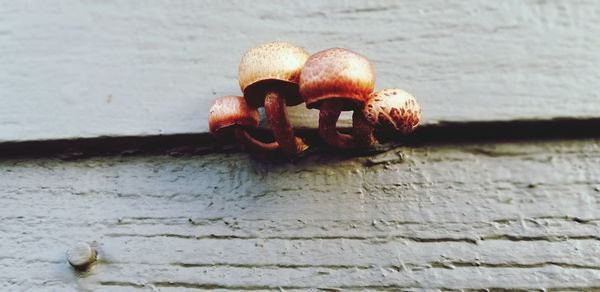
336, 80
268, 76
393, 110
231, 113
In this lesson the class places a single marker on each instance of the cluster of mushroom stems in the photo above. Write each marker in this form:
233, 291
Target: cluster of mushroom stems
277, 75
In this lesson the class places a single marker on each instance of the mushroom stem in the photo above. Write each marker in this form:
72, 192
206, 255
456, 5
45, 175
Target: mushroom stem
362, 130
328, 117
277, 116
253, 144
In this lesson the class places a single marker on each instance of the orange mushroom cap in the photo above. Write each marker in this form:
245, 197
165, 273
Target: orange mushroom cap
338, 74
271, 66
229, 111
393, 109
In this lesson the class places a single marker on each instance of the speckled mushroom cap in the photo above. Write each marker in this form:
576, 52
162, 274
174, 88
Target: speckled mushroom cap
337, 74
270, 66
393, 109
231, 110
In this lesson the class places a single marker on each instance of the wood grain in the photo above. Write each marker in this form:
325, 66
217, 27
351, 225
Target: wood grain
465, 216
91, 68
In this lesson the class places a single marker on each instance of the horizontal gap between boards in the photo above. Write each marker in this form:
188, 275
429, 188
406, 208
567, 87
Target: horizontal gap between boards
202, 143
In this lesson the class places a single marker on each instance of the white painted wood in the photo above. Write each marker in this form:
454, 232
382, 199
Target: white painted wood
507, 216
89, 68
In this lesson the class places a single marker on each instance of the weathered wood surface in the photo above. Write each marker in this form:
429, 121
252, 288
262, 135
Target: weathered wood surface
89, 68
514, 215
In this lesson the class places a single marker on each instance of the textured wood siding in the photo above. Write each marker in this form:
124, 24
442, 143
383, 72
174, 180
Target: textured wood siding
435, 215
508, 215
89, 68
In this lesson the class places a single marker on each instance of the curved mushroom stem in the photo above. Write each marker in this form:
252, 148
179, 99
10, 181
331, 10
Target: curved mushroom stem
253, 144
328, 117
277, 116
257, 146
362, 131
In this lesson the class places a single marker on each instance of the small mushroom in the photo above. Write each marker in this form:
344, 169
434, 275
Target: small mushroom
231, 114
336, 80
81, 256
268, 76
393, 110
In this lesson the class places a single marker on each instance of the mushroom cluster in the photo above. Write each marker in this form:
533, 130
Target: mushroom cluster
278, 74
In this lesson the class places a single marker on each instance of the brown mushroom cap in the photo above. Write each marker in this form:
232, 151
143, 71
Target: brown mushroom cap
271, 66
393, 109
337, 74
231, 110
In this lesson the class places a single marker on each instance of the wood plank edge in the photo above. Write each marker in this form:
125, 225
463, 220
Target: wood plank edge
201, 143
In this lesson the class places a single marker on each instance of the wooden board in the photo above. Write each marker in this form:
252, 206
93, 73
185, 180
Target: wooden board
519, 215
73, 69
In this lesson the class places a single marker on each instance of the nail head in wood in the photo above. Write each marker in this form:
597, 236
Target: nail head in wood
81, 255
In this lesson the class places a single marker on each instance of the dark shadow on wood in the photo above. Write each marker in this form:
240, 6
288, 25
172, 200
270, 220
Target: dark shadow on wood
200, 143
